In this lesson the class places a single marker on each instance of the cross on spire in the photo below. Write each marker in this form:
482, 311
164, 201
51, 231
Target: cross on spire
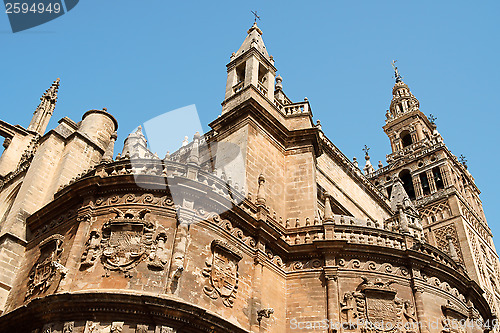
366, 150
256, 16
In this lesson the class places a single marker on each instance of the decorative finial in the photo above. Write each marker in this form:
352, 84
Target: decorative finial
397, 75
279, 84
432, 119
256, 16
463, 160
366, 150
105, 109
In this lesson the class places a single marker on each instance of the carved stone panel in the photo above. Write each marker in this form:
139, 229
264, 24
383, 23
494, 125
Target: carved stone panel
123, 243
222, 272
375, 307
45, 270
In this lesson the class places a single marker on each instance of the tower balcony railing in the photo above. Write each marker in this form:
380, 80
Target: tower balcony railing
238, 87
262, 88
293, 109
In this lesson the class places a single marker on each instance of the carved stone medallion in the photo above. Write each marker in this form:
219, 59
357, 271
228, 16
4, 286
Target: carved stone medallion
222, 271
45, 270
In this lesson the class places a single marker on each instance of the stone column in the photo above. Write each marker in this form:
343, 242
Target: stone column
417, 186
430, 179
445, 175
419, 303
332, 296
420, 133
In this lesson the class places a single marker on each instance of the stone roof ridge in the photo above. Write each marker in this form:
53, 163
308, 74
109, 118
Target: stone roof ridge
353, 170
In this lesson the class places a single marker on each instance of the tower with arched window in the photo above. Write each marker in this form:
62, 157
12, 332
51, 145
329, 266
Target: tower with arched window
440, 187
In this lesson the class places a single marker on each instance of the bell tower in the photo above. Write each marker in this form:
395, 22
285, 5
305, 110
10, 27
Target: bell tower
440, 187
251, 65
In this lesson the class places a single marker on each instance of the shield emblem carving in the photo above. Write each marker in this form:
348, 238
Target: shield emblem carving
222, 272
44, 271
382, 310
125, 242
377, 307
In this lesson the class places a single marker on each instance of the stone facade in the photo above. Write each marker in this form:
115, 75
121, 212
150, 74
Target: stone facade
296, 239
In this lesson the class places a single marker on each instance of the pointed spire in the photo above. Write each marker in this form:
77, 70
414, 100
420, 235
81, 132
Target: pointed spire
403, 100
135, 145
253, 40
43, 112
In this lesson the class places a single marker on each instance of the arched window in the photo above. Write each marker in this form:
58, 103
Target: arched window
425, 183
406, 138
405, 177
438, 178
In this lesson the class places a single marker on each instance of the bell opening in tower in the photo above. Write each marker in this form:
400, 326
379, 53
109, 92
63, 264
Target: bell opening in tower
406, 138
405, 177
425, 183
438, 178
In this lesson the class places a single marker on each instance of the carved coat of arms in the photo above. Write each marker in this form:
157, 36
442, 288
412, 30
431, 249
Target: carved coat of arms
45, 269
222, 272
125, 242
374, 306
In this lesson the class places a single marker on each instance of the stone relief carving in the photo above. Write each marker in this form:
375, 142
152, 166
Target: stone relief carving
141, 328
159, 255
369, 265
228, 227
453, 318
222, 272
45, 269
92, 249
69, 327
123, 242
374, 305
126, 240
146, 198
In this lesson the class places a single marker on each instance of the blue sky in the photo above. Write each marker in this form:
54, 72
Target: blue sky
143, 58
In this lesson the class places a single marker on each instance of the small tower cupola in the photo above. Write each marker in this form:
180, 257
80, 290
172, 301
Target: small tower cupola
251, 65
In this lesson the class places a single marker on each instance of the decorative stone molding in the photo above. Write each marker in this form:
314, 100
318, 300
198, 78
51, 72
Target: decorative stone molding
372, 266
222, 272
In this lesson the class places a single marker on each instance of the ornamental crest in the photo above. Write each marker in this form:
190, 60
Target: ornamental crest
126, 240
374, 306
46, 267
222, 272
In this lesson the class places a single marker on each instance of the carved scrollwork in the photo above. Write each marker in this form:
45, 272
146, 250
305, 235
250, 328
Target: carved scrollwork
129, 198
222, 272
356, 264
234, 231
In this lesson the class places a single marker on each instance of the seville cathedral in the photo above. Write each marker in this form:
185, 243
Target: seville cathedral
298, 239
